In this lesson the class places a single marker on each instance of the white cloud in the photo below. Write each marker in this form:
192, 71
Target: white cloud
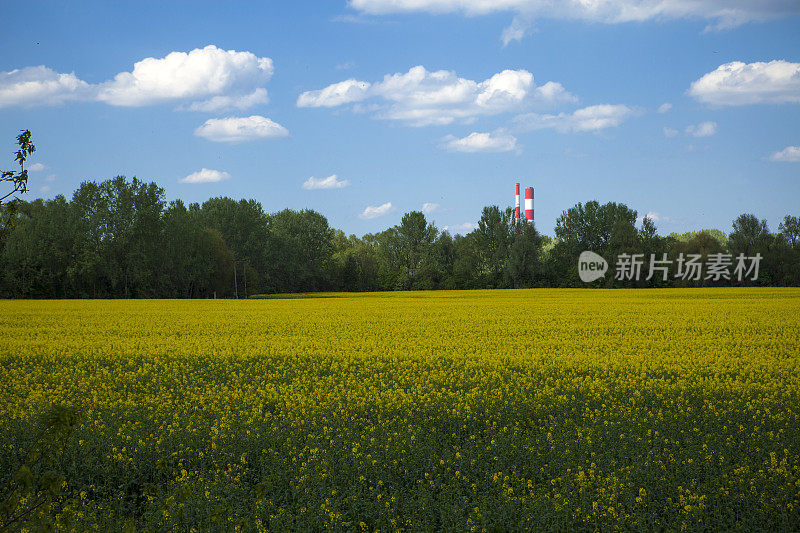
592, 118
205, 175
670, 132
720, 13
420, 97
200, 73
331, 182
790, 154
466, 227
344, 92
37, 167
737, 83
704, 129
429, 207
44, 189
50, 178
516, 30
480, 142
222, 103
224, 79
347, 65
663, 108
236, 129
652, 215
40, 86
376, 211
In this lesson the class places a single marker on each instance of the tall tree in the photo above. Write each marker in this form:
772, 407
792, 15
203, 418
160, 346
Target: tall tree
492, 238
608, 230
416, 238
245, 229
790, 229
749, 236
523, 261
303, 250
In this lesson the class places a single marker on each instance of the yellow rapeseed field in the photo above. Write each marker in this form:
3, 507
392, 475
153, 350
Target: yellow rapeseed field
562, 410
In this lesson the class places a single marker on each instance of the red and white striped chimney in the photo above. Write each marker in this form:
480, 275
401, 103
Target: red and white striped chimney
516, 206
529, 204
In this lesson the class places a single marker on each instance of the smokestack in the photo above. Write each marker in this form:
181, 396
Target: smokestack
516, 206
529, 204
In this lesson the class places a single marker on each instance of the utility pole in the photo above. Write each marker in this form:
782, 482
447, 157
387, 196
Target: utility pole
244, 267
235, 282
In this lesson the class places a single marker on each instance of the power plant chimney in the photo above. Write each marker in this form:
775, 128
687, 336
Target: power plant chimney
529, 204
516, 206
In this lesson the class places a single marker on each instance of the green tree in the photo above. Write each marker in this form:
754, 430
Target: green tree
40, 249
16, 181
416, 239
196, 261
749, 236
245, 230
790, 229
492, 238
355, 263
703, 244
716, 234
523, 261
303, 250
608, 230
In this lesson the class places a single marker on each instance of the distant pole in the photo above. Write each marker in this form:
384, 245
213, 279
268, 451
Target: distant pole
244, 267
235, 282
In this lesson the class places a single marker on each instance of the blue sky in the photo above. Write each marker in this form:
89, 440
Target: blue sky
573, 106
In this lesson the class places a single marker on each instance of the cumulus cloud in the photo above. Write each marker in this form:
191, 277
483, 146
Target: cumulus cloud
237, 129
50, 178
704, 129
670, 132
790, 154
200, 73
429, 207
466, 227
331, 182
420, 97
205, 175
663, 108
480, 142
344, 92
37, 167
720, 14
376, 211
592, 118
218, 79
737, 83
40, 85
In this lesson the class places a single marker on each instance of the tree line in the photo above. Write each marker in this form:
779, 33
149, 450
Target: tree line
121, 239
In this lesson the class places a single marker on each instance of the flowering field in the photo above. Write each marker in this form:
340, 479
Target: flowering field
530, 409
